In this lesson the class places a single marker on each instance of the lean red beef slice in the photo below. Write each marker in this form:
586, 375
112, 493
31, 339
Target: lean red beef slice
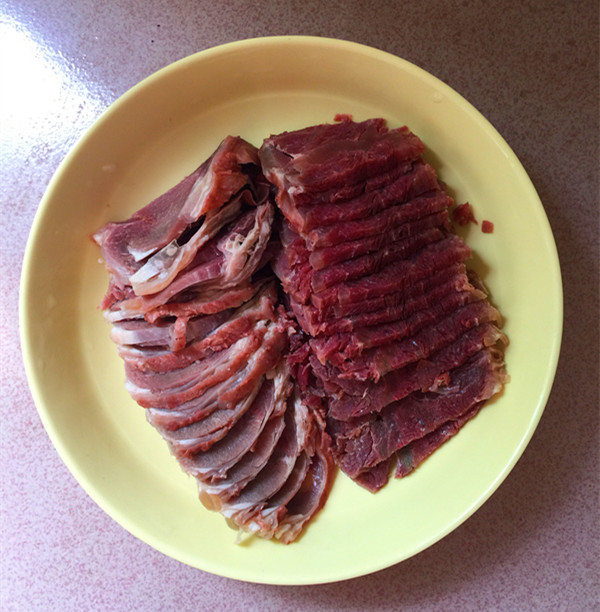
375, 276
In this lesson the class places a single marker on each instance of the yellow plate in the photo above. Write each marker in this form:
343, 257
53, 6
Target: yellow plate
146, 142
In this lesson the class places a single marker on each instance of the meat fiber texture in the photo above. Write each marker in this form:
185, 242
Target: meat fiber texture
400, 342
285, 309
196, 318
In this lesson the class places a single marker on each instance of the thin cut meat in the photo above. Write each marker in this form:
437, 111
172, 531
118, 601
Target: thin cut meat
364, 444
409, 457
354, 399
376, 278
126, 245
297, 307
196, 318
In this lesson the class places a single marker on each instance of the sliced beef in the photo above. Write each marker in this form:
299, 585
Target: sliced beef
372, 263
353, 398
200, 407
417, 208
325, 257
127, 244
330, 156
239, 439
396, 186
305, 210
218, 488
159, 271
366, 442
375, 362
409, 457
167, 334
171, 389
374, 478
375, 276
259, 474
397, 277
344, 346
261, 505
381, 309
206, 432
310, 497
226, 261
207, 334
382, 347
190, 304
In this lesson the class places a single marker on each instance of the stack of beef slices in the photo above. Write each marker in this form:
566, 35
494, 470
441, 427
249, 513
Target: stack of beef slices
195, 315
403, 345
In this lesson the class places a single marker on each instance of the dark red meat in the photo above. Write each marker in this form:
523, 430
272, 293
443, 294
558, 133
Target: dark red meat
366, 442
375, 346
375, 276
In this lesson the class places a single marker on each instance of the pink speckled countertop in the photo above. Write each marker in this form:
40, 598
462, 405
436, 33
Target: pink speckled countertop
531, 68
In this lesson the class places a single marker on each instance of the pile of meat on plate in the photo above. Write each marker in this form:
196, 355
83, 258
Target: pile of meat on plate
286, 310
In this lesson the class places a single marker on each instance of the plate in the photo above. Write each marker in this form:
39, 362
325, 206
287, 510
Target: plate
147, 141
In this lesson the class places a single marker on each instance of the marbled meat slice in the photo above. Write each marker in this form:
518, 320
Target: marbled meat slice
228, 260
196, 320
227, 484
164, 225
204, 334
205, 432
240, 439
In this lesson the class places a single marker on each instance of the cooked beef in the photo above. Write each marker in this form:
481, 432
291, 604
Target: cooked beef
390, 190
227, 485
202, 335
409, 457
241, 426
365, 442
197, 322
376, 477
375, 362
381, 309
205, 432
262, 502
343, 346
310, 497
379, 348
391, 218
165, 334
354, 398
399, 276
228, 260
400, 340
327, 257
269, 402
128, 246
325, 157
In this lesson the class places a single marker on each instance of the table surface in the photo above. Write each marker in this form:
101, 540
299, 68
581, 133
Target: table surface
532, 69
